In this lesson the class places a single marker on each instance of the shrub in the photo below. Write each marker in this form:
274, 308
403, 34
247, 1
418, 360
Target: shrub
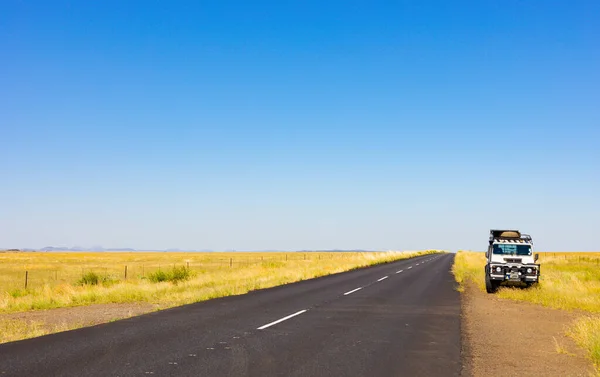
18, 293
92, 278
180, 274
158, 276
175, 275
89, 278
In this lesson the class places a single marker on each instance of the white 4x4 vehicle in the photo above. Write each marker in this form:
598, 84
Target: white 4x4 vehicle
510, 258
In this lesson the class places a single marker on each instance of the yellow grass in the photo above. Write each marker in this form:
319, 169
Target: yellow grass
569, 281
52, 277
586, 333
14, 329
469, 266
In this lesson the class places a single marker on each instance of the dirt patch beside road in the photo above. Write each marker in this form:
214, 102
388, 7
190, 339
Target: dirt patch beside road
510, 338
16, 326
83, 315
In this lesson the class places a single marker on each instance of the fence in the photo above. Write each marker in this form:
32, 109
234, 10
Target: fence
32, 276
571, 257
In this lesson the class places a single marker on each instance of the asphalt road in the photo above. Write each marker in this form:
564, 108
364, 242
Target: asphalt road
397, 319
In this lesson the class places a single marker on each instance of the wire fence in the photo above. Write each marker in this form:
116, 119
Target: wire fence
32, 276
575, 258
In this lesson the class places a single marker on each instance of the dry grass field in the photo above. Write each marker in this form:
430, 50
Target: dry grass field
55, 279
59, 280
569, 281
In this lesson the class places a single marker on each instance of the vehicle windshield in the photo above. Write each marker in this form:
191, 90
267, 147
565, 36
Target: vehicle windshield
509, 249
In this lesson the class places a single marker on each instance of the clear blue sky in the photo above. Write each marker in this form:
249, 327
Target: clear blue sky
299, 124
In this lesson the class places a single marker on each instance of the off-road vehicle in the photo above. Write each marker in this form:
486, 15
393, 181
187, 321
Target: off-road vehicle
510, 259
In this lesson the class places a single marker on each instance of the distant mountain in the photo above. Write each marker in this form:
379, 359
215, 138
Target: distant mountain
98, 248
15, 249
101, 249
79, 248
336, 251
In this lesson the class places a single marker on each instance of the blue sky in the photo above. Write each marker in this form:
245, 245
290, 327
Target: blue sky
299, 124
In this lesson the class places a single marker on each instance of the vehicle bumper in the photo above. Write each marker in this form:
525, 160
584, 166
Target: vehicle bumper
509, 270
522, 278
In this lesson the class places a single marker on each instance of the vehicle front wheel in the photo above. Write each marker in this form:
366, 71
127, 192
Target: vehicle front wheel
491, 286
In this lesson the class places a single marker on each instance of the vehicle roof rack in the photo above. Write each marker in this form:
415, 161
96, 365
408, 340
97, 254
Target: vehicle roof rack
510, 235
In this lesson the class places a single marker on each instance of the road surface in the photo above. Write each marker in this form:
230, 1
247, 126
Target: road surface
396, 319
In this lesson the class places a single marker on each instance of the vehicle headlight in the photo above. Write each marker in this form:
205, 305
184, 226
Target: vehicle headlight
529, 270
498, 269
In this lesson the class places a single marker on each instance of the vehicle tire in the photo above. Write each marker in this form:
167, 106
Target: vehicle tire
489, 285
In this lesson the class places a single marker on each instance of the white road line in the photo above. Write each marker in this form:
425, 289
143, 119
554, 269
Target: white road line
352, 291
281, 320
383, 278
409, 267
399, 271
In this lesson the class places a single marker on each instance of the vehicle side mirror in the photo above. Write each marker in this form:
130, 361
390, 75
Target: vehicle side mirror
536, 257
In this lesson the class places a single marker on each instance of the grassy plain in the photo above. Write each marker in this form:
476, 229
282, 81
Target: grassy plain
53, 277
54, 280
569, 281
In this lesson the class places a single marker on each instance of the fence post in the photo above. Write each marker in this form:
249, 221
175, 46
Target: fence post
304, 256
26, 278
188, 265
125, 272
286, 257
230, 262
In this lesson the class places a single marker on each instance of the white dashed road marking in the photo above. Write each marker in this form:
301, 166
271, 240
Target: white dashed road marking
383, 278
399, 271
409, 267
281, 320
352, 291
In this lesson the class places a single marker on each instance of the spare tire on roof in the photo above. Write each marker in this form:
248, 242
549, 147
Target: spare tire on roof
510, 235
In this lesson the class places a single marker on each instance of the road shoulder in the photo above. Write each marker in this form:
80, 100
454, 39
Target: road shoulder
517, 339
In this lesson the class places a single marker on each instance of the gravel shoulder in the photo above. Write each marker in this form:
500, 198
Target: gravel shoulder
512, 338
80, 316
